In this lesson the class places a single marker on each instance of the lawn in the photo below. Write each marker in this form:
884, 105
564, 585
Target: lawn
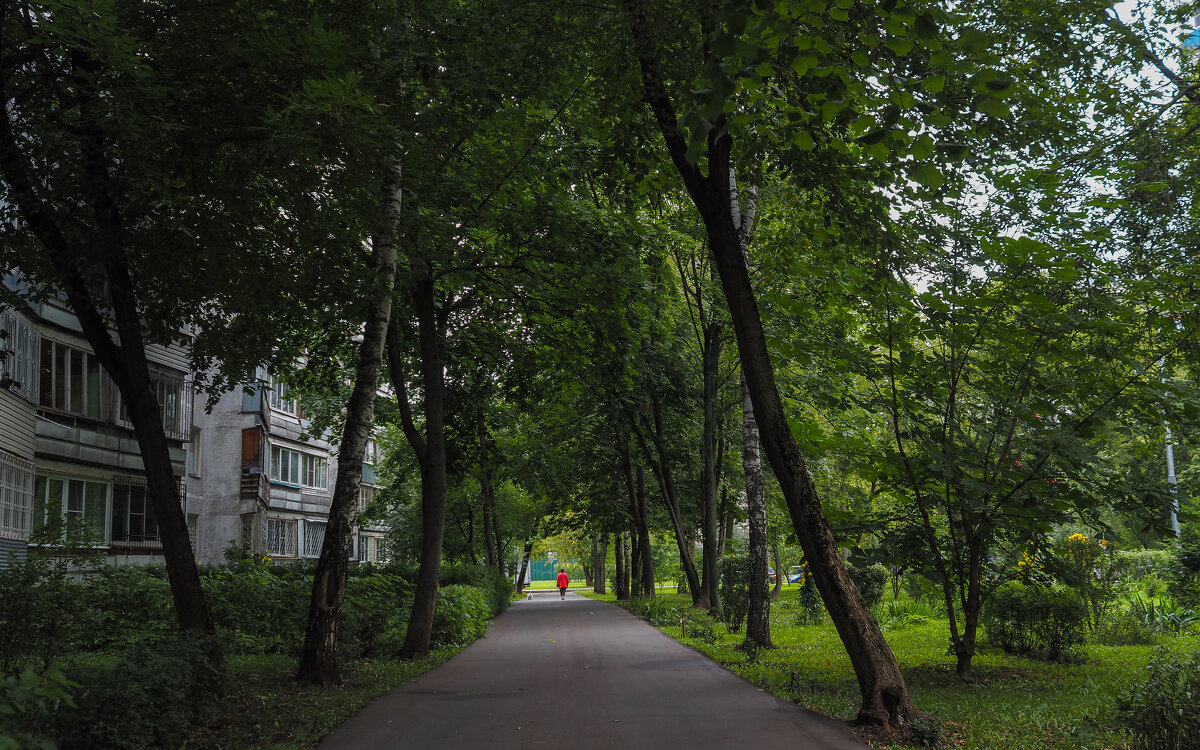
1013, 702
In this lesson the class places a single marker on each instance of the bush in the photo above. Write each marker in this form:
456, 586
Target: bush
461, 616
735, 589
812, 607
870, 580
260, 610
1137, 564
701, 627
656, 611
1163, 712
1124, 629
150, 698
27, 702
374, 616
1046, 623
43, 615
497, 588
1185, 571
129, 604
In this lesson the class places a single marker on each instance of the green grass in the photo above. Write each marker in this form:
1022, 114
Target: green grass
1012, 703
264, 708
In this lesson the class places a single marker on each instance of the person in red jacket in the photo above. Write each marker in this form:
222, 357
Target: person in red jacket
563, 582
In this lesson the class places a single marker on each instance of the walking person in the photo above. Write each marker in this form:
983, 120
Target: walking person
563, 582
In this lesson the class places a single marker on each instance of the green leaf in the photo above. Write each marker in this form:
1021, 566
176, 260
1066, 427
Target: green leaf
934, 84
804, 64
803, 140
929, 176
900, 46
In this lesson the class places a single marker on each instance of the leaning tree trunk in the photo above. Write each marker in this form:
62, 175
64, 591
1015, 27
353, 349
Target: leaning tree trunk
125, 358
885, 698
318, 658
659, 461
430, 450
523, 569
758, 618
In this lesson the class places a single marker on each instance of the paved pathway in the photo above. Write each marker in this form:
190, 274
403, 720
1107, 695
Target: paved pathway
580, 674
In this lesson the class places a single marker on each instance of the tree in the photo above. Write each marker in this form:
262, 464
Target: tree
884, 693
122, 191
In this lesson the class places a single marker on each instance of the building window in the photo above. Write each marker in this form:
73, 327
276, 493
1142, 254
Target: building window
193, 523
76, 501
70, 380
16, 497
314, 537
194, 453
366, 494
370, 548
133, 518
281, 400
299, 469
281, 537
20, 350
371, 454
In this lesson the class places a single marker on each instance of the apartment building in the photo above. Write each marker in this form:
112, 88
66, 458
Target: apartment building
266, 482
66, 445
251, 475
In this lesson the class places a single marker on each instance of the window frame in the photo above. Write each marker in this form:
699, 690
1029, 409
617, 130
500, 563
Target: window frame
303, 469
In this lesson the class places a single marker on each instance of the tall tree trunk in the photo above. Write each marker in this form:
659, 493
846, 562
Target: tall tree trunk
643, 530
641, 556
496, 536
588, 579
600, 555
885, 698
758, 619
430, 450
710, 460
619, 577
488, 498
124, 359
318, 658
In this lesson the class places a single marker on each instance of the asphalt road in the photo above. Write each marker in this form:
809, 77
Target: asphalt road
582, 674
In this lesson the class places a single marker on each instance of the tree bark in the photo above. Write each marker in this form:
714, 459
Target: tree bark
758, 619
430, 450
710, 460
643, 530
600, 555
885, 698
619, 578
318, 659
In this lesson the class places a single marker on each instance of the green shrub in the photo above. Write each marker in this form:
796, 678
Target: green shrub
461, 615
870, 580
150, 698
130, 604
1137, 564
261, 611
735, 588
1185, 571
496, 587
374, 616
1046, 623
1163, 712
27, 703
1164, 616
812, 607
1124, 629
43, 615
700, 626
